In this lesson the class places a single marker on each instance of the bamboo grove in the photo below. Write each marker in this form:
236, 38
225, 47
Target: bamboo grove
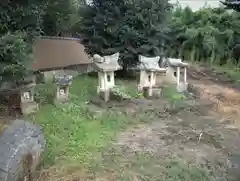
207, 35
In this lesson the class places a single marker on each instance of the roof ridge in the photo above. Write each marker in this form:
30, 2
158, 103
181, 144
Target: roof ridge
58, 38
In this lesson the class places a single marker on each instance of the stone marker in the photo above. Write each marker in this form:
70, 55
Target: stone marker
63, 82
149, 68
173, 73
106, 67
21, 147
28, 105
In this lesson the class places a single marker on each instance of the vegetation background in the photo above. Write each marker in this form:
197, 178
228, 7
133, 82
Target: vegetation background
129, 26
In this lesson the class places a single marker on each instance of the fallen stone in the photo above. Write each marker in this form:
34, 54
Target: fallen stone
21, 146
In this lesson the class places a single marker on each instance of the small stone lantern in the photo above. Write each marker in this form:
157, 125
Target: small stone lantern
149, 68
28, 105
106, 67
174, 70
63, 82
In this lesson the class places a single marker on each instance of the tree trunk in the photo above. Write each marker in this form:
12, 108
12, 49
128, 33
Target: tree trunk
193, 52
212, 57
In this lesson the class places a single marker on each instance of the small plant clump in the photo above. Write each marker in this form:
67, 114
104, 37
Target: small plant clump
120, 92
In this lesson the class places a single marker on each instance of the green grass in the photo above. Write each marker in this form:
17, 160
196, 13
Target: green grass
130, 87
72, 134
172, 95
76, 138
232, 71
145, 166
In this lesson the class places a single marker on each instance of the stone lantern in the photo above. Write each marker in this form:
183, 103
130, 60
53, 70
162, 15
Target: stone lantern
106, 67
28, 104
149, 68
63, 82
176, 68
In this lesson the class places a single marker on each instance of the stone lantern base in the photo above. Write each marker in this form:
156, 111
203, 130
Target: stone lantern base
176, 71
28, 104
106, 66
62, 92
29, 108
149, 69
105, 95
152, 92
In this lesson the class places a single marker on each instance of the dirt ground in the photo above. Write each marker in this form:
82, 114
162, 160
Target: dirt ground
205, 136
220, 89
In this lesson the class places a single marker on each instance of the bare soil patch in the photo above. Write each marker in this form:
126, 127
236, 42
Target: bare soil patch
185, 133
196, 140
205, 146
218, 88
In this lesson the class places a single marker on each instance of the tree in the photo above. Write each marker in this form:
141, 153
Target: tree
232, 4
20, 23
131, 27
24, 15
205, 35
15, 62
60, 16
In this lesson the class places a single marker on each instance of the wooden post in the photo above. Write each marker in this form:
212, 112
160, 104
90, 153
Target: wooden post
142, 80
58, 92
99, 82
112, 78
178, 75
151, 84
106, 89
185, 75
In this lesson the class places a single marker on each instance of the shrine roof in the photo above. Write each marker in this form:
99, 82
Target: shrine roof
107, 63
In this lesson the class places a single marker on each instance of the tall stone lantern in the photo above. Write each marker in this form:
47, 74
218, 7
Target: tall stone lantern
149, 68
28, 104
106, 67
176, 72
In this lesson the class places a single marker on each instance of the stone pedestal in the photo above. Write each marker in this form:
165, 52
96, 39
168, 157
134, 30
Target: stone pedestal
149, 69
63, 83
28, 105
152, 92
106, 67
176, 69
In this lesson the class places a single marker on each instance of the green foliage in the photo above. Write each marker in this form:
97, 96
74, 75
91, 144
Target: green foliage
206, 35
44, 93
230, 4
20, 23
129, 27
14, 59
24, 15
73, 135
172, 95
60, 16
182, 172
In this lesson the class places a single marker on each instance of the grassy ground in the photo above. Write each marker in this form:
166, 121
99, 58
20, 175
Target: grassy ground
81, 142
232, 71
73, 134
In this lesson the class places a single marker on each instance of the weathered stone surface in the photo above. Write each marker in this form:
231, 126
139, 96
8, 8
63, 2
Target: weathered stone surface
63, 80
150, 63
19, 141
156, 92
173, 62
107, 63
29, 107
